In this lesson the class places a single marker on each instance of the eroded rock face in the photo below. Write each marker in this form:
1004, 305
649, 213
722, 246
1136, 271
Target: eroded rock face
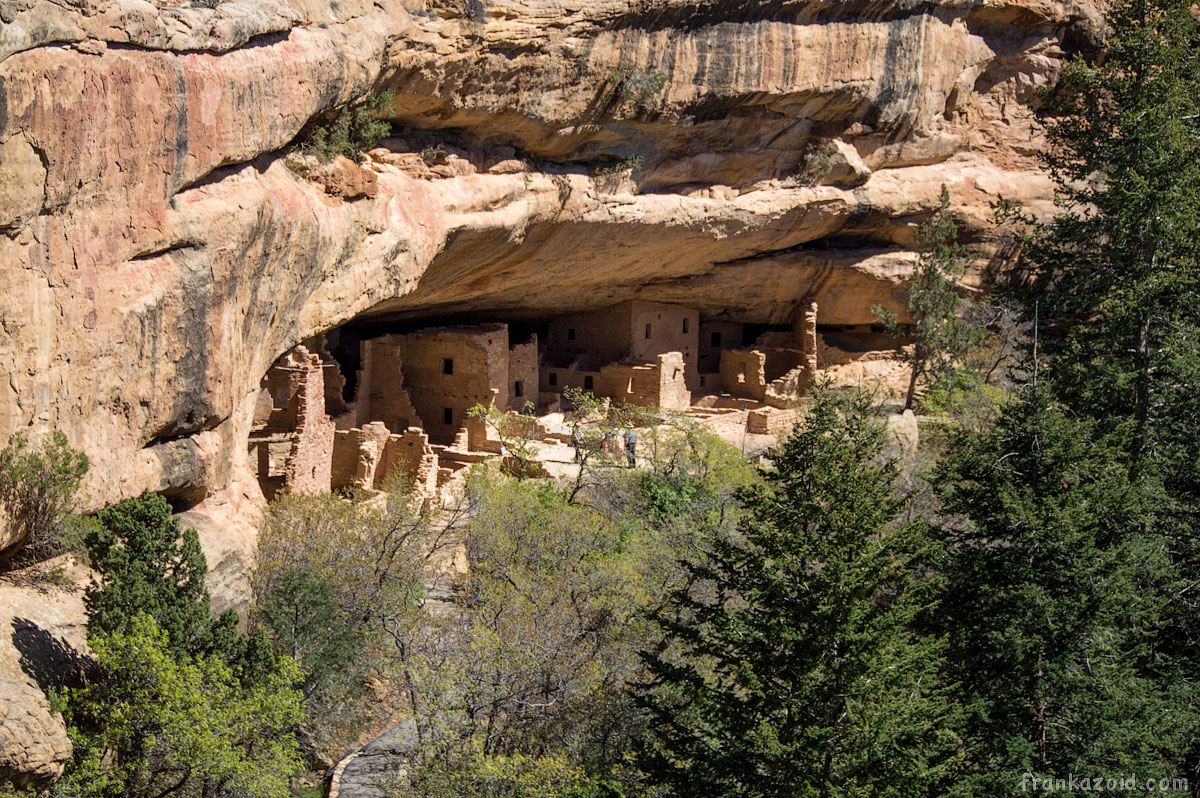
158, 254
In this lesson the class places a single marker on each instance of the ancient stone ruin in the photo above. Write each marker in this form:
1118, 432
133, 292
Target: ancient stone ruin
406, 413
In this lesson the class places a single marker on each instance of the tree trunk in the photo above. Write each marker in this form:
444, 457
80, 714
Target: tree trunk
912, 386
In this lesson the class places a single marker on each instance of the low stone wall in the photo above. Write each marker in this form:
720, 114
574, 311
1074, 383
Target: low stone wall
772, 421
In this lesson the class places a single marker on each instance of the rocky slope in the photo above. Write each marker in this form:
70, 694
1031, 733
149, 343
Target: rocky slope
158, 253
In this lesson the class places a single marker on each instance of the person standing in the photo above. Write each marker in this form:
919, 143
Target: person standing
631, 446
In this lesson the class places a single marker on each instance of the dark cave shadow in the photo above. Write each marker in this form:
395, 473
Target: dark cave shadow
50, 661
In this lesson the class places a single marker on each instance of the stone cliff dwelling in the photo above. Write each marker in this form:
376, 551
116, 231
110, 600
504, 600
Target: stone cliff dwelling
366, 403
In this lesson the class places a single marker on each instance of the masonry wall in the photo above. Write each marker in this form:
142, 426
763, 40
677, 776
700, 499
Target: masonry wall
356, 455
335, 381
673, 390
708, 360
743, 373
771, 421
479, 358
382, 395
308, 464
660, 383
630, 383
553, 380
779, 361
523, 369
594, 338
657, 328
410, 456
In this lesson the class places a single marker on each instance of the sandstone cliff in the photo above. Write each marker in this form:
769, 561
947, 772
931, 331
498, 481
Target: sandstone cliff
158, 253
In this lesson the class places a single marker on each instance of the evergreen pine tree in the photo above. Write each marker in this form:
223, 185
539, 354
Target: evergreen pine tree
1054, 594
1116, 286
798, 672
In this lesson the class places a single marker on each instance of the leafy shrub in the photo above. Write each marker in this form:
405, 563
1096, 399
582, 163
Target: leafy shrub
38, 487
159, 724
354, 131
146, 564
637, 85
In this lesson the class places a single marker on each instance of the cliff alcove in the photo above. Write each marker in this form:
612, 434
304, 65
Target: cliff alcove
165, 266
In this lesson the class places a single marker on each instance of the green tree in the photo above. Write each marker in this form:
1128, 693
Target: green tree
353, 132
157, 724
145, 563
305, 624
798, 671
1116, 274
1055, 589
516, 432
940, 334
1115, 279
38, 487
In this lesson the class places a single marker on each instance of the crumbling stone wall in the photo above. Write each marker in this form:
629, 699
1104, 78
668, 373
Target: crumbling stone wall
335, 381
743, 373
410, 455
356, 455
308, 465
661, 383
808, 337
772, 421
381, 393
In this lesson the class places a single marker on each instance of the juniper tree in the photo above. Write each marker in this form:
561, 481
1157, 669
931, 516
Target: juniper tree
146, 564
796, 667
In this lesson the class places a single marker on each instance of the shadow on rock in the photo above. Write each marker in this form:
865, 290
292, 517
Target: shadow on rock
50, 661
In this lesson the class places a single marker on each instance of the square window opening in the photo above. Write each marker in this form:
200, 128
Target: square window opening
448, 366
448, 416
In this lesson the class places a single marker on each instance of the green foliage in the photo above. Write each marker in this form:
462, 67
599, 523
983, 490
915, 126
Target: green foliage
1054, 587
1113, 286
38, 487
157, 723
353, 132
304, 622
636, 85
668, 496
791, 665
940, 334
145, 564
515, 776
522, 665
630, 164
433, 154
338, 583
516, 432
372, 556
